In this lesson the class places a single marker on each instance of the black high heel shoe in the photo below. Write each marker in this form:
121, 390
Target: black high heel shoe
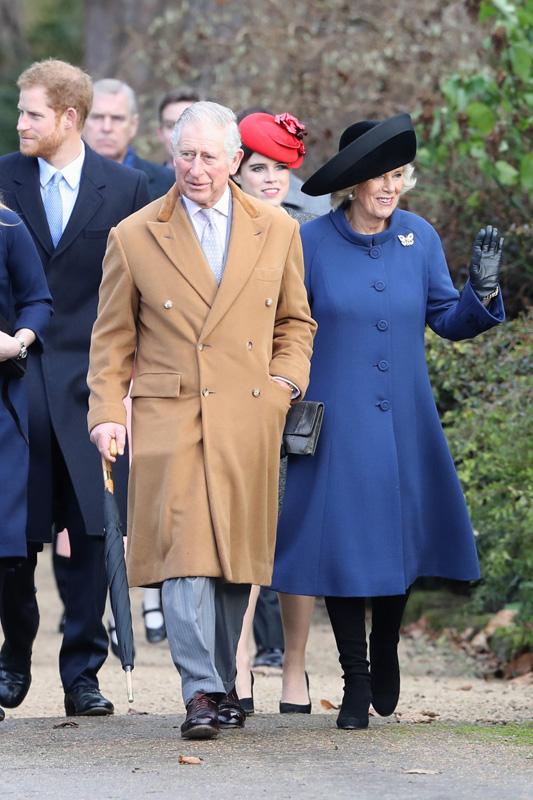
247, 703
296, 708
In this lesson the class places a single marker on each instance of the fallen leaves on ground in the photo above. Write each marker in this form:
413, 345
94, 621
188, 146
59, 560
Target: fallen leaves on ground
417, 771
328, 705
190, 760
134, 711
417, 717
68, 724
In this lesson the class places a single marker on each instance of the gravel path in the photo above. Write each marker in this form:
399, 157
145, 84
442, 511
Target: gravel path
442, 745
436, 678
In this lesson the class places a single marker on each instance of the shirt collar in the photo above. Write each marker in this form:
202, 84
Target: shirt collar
222, 205
71, 173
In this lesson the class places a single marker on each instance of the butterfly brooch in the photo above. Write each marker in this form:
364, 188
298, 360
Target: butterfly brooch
408, 240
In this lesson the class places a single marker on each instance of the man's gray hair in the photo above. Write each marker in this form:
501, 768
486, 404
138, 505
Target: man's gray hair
214, 114
114, 86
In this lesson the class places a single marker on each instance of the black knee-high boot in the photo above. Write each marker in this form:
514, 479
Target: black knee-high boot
347, 615
387, 615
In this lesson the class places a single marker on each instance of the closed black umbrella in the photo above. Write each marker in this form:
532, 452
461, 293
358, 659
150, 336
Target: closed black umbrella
117, 578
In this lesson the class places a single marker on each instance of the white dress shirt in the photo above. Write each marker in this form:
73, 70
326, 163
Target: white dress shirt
220, 217
69, 188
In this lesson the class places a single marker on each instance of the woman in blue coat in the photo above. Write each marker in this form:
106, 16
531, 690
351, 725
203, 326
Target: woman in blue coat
26, 302
380, 503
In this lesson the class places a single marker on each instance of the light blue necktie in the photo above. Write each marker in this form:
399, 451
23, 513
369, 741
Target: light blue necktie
53, 206
213, 250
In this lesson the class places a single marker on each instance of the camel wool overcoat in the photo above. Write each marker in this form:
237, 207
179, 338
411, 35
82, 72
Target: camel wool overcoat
207, 418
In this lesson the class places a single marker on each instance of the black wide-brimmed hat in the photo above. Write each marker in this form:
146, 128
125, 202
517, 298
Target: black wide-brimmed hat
367, 149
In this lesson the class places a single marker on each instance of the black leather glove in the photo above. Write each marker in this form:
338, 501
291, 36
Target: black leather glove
487, 252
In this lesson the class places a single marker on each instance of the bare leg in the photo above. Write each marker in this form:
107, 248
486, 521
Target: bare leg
296, 614
243, 683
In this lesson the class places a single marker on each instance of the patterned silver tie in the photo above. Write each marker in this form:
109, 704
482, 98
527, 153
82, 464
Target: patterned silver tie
211, 245
53, 206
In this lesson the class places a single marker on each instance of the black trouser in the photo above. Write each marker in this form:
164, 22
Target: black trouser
85, 644
268, 630
19, 613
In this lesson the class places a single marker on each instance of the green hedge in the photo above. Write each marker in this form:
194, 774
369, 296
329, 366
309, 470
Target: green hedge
483, 390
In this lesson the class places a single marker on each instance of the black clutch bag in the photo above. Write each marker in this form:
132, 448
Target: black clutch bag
12, 367
302, 428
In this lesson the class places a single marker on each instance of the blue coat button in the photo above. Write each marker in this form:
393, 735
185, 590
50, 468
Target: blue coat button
383, 365
384, 405
382, 325
379, 286
374, 252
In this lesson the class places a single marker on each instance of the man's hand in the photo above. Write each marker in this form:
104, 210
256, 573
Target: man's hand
487, 252
103, 434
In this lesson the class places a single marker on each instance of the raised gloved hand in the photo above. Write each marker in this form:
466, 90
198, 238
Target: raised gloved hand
487, 252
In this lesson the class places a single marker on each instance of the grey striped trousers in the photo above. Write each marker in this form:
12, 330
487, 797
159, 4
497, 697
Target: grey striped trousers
203, 618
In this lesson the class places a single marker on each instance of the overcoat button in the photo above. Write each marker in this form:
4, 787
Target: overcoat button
200, 346
374, 252
383, 325
249, 345
205, 392
268, 302
379, 286
256, 392
168, 304
384, 405
383, 365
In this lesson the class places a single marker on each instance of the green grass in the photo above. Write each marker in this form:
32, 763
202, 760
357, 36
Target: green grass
512, 733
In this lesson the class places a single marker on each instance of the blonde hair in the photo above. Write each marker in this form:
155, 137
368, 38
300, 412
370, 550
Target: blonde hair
66, 86
344, 197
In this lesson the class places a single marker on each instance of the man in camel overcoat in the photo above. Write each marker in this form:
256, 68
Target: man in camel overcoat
204, 291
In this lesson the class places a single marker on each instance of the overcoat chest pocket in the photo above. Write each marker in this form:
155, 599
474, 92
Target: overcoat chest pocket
273, 274
156, 384
96, 233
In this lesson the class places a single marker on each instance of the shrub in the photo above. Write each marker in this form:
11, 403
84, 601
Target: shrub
483, 390
475, 150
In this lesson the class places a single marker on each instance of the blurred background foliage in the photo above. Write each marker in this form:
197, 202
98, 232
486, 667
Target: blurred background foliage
464, 70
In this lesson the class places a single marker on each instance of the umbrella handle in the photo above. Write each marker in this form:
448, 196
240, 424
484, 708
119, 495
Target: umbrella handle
129, 683
107, 468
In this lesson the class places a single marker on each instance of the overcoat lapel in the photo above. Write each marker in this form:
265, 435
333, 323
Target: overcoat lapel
175, 236
248, 235
28, 193
88, 201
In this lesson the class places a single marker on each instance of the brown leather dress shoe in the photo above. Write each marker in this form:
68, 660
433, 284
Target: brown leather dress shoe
230, 712
201, 721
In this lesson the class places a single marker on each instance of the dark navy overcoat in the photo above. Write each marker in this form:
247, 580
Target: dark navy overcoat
380, 503
25, 301
56, 380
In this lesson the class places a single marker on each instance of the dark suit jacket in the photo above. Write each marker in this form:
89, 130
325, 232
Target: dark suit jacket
56, 380
160, 178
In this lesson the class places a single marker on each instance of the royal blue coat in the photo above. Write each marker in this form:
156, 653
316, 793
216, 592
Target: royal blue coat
24, 300
380, 502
